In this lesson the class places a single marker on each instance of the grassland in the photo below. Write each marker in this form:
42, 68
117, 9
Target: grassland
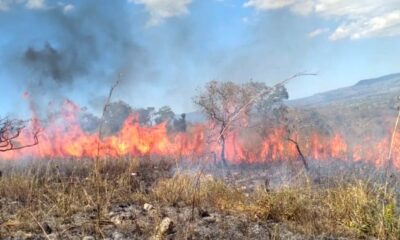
132, 198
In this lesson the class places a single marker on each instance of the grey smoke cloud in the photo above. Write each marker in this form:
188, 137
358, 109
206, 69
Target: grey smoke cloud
87, 46
51, 64
91, 34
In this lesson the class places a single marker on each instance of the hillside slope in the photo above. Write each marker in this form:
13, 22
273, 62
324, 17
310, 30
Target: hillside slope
376, 89
366, 109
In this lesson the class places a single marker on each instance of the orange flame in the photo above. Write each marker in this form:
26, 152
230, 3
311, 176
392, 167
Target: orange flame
65, 138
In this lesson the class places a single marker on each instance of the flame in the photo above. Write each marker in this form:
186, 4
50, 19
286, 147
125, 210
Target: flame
64, 138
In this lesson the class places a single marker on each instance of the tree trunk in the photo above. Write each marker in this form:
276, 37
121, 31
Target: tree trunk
223, 145
303, 159
223, 151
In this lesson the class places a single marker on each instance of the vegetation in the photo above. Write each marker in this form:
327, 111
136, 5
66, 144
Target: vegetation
152, 198
10, 131
34, 195
228, 105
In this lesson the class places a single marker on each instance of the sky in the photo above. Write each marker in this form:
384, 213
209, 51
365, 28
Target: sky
164, 51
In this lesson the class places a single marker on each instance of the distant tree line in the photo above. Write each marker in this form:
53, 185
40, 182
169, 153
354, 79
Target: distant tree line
117, 113
228, 107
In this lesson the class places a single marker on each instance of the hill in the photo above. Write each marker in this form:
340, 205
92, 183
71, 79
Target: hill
367, 108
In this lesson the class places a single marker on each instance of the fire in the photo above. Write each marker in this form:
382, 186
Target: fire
64, 138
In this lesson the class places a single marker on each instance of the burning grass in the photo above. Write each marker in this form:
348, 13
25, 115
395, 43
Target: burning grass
258, 143
74, 198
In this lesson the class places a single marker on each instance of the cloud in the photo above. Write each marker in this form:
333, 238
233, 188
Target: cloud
318, 32
298, 6
386, 25
68, 8
159, 10
269, 4
35, 4
356, 19
30, 4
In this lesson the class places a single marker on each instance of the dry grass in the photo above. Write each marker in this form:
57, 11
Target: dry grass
59, 189
43, 190
66, 188
205, 192
355, 209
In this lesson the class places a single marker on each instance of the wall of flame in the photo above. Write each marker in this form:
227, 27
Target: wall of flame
65, 139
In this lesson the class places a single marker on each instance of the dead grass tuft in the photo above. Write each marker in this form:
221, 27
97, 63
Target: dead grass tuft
55, 189
356, 209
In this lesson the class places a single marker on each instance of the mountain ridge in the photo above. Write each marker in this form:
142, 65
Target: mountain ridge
372, 89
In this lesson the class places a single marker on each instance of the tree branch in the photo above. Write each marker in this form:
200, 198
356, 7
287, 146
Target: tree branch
10, 131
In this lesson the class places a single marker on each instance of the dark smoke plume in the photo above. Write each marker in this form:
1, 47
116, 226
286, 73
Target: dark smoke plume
50, 64
85, 48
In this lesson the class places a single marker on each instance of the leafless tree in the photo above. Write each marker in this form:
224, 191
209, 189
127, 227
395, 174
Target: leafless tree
10, 133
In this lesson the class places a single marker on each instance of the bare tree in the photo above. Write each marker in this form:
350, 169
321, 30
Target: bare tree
10, 133
227, 106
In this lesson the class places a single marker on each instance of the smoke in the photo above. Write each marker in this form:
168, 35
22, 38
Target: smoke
83, 48
49, 64
77, 50
270, 54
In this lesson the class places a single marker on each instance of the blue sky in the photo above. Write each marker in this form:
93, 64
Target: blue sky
167, 49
